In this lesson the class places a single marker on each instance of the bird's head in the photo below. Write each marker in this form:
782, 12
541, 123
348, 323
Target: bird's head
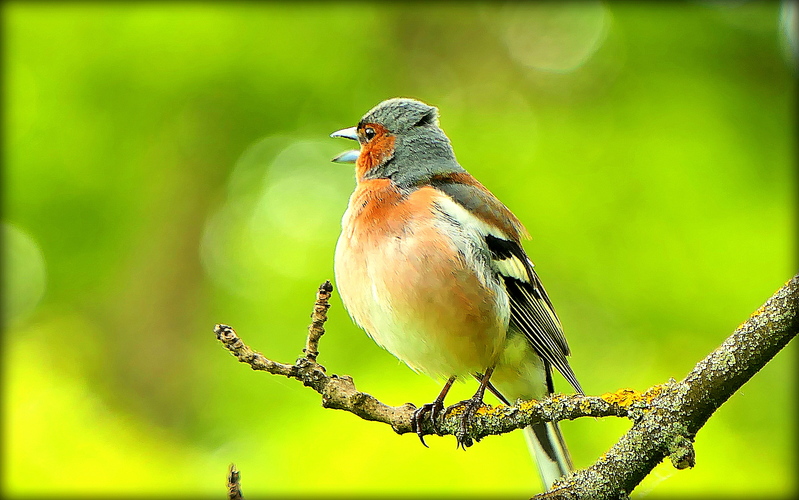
400, 140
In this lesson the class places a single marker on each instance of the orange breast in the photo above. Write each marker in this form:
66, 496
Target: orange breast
404, 281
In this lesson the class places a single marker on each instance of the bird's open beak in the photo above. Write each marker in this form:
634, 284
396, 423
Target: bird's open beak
347, 156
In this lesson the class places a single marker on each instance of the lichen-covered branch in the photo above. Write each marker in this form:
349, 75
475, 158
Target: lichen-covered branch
666, 417
667, 428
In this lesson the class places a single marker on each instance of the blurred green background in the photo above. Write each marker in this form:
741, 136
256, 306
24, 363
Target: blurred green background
166, 167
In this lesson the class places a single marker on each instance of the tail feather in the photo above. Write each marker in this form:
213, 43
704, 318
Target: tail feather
524, 375
551, 455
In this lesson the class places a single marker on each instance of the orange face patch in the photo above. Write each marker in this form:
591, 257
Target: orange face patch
374, 151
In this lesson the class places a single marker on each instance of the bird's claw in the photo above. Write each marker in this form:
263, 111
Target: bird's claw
434, 410
469, 408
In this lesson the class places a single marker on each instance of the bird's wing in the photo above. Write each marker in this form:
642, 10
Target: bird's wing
531, 311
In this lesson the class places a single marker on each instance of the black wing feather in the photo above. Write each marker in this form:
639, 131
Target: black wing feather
531, 310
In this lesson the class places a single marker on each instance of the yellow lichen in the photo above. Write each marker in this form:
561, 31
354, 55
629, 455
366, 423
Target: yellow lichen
627, 397
457, 410
652, 393
486, 410
622, 397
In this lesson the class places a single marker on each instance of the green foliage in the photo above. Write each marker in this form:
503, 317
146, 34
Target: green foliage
166, 168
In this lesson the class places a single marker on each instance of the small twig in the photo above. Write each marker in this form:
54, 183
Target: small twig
256, 360
318, 317
337, 392
233, 486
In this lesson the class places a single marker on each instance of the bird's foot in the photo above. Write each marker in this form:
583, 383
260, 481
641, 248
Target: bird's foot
467, 409
432, 411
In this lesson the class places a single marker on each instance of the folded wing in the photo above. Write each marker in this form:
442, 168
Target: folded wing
531, 311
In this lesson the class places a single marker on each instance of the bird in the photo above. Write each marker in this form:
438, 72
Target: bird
430, 264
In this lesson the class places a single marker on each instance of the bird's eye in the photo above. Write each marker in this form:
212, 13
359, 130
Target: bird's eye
369, 133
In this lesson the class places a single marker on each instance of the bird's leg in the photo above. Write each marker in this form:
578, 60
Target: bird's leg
493, 390
470, 406
434, 409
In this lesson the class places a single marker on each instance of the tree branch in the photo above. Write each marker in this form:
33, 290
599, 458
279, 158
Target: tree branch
668, 427
666, 417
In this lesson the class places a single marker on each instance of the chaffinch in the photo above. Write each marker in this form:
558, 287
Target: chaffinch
430, 264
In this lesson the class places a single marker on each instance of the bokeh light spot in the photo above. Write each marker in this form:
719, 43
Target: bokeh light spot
284, 207
24, 276
552, 36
